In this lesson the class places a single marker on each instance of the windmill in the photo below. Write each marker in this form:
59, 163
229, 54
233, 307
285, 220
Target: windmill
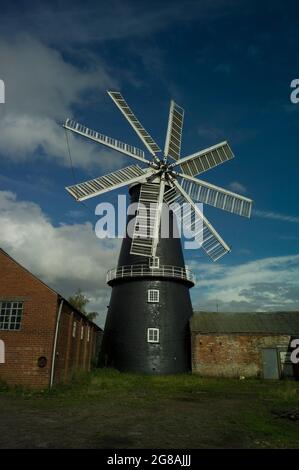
147, 325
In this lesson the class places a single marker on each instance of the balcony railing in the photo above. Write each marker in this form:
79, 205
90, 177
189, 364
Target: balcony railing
143, 270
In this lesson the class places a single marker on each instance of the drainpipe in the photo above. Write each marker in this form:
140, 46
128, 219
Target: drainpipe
55, 344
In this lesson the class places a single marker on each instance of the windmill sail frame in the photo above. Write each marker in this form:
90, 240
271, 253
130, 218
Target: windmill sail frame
159, 181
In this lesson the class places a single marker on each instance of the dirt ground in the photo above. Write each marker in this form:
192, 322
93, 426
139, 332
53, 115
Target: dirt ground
111, 410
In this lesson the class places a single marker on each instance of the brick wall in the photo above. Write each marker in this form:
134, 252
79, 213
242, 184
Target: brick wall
35, 339
232, 355
75, 349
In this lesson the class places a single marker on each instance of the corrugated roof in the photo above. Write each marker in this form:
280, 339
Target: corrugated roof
269, 323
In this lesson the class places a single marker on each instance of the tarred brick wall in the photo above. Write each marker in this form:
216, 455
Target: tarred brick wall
232, 355
35, 339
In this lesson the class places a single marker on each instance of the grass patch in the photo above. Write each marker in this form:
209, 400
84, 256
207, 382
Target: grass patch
114, 409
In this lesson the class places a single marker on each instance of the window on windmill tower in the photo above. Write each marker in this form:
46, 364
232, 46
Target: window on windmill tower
154, 262
74, 329
153, 335
153, 295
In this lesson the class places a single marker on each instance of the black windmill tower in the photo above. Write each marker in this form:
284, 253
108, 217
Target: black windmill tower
147, 325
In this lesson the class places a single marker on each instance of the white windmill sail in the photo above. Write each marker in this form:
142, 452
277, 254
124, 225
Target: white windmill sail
174, 131
148, 141
208, 193
147, 223
114, 144
162, 181
202, 161
203, 232
117, 179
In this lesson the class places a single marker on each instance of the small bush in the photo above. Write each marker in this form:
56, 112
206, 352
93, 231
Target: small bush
288, 391
3, 386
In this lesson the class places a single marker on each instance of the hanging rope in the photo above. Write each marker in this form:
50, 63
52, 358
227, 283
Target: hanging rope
73, 169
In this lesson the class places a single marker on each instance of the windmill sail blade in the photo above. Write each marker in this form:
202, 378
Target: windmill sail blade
216, 196
174, 131
148, 141
147, 223
107, 141
205, 159
103, 184
158, 216
203, 231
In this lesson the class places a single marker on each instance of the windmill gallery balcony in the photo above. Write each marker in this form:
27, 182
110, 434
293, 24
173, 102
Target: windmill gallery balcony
143, 270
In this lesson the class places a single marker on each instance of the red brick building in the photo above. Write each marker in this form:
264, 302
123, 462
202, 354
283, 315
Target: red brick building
244, 344
43, 339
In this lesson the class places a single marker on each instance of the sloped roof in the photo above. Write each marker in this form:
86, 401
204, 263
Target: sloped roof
268, 323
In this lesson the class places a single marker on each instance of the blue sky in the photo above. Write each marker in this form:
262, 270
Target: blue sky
228, 63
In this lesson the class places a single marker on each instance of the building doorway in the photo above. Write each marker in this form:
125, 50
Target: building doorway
271, 369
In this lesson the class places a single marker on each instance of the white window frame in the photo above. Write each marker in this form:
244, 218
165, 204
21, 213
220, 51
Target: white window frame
82, 332
74, 328
154, 262
11, 314
88, 334
153, 335
153, 295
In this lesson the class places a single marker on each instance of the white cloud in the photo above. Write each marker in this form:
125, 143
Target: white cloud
42, 89
265, 284
34, 137
238, 187
39, 79
66, 257
276, 216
